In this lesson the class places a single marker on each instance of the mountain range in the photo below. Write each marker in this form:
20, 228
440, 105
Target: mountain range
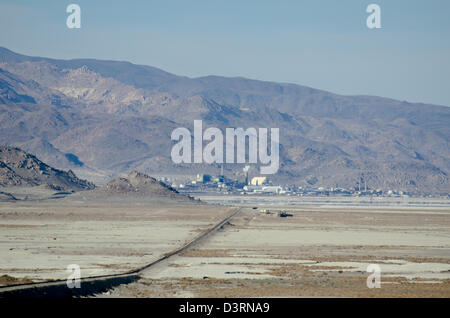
103, 119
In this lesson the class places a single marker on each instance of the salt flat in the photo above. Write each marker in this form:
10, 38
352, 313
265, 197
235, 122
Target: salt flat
322, 250
319, 251
39, 239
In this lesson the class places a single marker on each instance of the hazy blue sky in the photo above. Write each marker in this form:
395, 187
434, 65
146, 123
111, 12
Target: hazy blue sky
319, 43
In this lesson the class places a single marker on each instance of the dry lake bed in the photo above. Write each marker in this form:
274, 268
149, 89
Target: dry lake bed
323, 249
40, 238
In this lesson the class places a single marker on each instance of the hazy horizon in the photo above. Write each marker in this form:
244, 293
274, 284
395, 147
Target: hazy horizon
320, 44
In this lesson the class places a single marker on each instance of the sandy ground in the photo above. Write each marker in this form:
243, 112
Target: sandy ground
39, 239
322, 250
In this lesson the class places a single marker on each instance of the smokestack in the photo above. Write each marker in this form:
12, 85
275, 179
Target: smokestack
246, 168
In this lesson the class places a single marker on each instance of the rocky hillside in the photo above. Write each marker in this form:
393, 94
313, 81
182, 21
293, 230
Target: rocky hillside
18, 168
106, 118
139, 185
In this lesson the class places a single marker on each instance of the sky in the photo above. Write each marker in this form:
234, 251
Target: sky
323, 44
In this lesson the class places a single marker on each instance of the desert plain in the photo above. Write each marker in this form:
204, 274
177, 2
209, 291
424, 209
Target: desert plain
323, 249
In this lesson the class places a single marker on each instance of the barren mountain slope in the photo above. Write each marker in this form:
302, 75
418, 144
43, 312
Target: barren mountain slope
106, 117
18, 168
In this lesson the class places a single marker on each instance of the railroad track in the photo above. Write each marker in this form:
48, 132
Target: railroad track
97, 284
